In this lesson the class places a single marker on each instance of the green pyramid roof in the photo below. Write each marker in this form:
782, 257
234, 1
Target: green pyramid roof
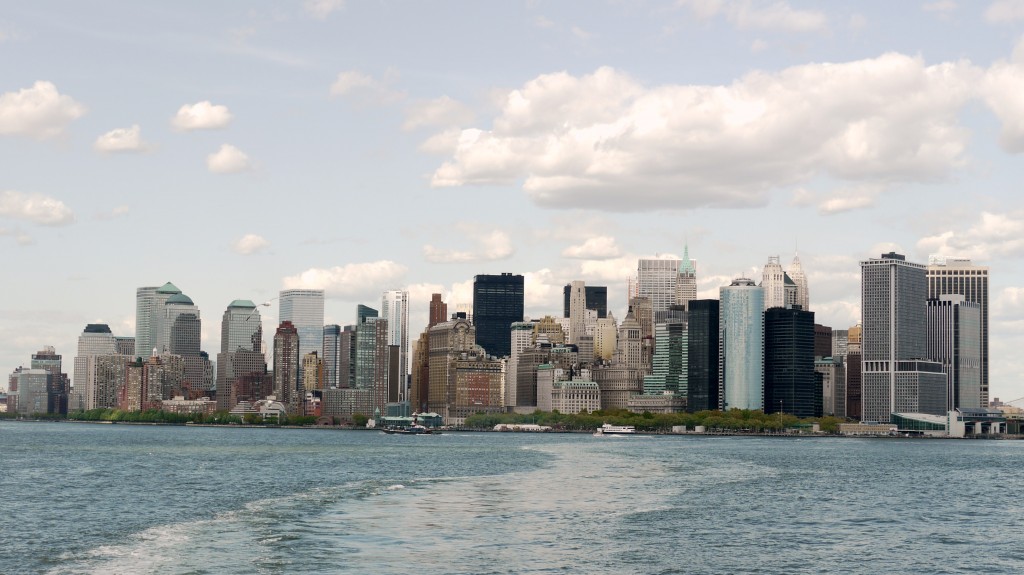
168, 288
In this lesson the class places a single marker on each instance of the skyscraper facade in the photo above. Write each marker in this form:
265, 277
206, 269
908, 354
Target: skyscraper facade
395, 309
686, 283
304, 308
149, 306
577, 309
741, 345
332, 355
790, 384
596, 298
702, 388
954, 340
656, 280
241, 348
799, 278
287, 365
96, 340
959, 276
895, 377
438, 310
497, 304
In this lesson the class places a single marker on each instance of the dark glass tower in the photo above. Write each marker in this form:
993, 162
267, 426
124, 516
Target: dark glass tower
702, 356
597, 299
497, 304
790, 384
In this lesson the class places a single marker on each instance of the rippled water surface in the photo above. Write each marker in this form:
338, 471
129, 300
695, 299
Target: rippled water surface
136, 499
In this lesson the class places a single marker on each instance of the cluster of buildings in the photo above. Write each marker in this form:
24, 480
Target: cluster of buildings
920, 350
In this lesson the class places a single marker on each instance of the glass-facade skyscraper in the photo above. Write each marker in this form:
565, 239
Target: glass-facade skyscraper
395, 309
656, 280
702, 389
790, 383
741, 335
497, 304
304, 308
958, 276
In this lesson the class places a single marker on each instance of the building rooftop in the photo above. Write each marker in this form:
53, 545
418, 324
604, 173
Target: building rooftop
168, 288
180, 299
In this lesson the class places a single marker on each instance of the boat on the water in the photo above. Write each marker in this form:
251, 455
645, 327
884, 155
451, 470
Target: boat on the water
411, 430
609, 429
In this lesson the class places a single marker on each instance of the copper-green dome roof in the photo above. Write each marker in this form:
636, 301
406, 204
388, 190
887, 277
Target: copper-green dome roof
242, 303
168, 288
180, 298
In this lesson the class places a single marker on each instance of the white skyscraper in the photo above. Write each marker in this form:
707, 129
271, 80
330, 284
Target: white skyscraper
395, 309
305, 309
656, 280
796, 273
686, 283
741, 345
522, 338
773, 281
577, 311
149, 306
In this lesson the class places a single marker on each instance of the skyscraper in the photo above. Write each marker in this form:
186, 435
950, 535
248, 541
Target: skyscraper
741, 337
304, 308
577, 309
96, 340
958, 276
894, 376
790, 382
438, 310
779, 289
595, 297
395, 309
686, 283
702, 388
668, 366
796, 273
371, 359
149, 306
497, 304
332, 355
287, 366
241, 348
656, 280
954, 340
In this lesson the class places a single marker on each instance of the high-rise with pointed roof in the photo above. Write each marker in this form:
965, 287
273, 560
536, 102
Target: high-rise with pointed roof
686, 282
796, 273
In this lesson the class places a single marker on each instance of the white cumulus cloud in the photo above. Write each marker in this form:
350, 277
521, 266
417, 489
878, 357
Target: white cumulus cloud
121, 140
38, 112
250, 244
201, 116
1001, 89
490, 246
594, 248
351, 280
991, 235
35, 208
365, 88
609, 142
1004, 11
443, 112
228, 160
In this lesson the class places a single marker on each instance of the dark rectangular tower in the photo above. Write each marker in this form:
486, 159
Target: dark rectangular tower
702, 356
597, 299
790, 384
497, 304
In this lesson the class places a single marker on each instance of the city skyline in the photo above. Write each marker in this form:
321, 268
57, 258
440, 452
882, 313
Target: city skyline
237, 151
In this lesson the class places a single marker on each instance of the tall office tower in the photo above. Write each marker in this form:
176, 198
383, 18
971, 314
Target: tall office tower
958, 276
178, 321
779, 289
605, 338
741, 345
347, 357
668, 367
31, 389
149, 307
332, 355
854, 399
577, 309
822, 340
643, 313
529, 360
420, 389
790, 383
630, 351
656, 280
840, 343
522, 338
832, 386
305, 309
799, 278
395, 309
497, 304
895, 378
96, 340
241, 348
702, 387
286, 365
312, 372
954, 340
59, 384
438, 310
686, 283
596, 298
371, 359
446, 341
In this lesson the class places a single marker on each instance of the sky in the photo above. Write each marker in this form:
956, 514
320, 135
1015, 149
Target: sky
239, 148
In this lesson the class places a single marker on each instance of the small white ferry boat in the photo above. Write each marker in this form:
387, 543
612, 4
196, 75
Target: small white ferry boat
609, 429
